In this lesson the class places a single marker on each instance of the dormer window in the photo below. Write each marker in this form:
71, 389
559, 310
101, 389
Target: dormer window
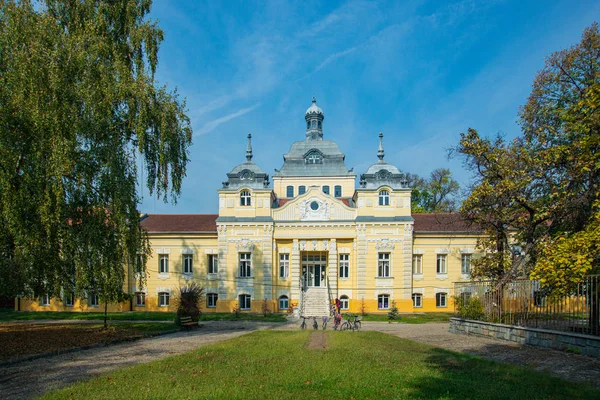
384, 198
314, 157
245, 198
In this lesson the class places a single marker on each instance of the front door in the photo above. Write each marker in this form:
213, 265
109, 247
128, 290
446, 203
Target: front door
314, 269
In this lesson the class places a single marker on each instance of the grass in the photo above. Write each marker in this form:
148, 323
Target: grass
271, 364
412, 318
11, 315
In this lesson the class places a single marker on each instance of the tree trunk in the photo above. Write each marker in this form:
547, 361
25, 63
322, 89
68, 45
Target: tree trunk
105, 315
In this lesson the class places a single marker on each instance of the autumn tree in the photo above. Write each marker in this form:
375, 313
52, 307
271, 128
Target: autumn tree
78, 106
437, 194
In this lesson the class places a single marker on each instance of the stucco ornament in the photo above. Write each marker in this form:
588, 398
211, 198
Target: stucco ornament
314, 209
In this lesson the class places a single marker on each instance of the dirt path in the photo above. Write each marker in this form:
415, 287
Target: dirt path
33, 378
317, 341
573, 367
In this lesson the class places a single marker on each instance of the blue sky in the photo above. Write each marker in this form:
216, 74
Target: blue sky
421, 72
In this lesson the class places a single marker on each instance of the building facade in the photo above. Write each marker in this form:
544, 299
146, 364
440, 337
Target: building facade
305, 239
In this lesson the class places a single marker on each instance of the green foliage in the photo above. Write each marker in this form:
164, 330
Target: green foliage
79, 108
438, 194
540, 190
364, 310
189, 301
469, 308
393, 314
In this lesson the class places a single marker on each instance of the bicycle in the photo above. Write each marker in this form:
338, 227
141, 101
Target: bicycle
337, 321
303, 325
353, 324
315, 324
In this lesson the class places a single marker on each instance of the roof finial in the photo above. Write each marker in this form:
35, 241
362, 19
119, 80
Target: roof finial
314, 99
380, 152
249, 149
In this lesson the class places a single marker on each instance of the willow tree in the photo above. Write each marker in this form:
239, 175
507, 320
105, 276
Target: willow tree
79, 106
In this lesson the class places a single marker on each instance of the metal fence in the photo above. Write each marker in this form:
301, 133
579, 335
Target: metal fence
526, 303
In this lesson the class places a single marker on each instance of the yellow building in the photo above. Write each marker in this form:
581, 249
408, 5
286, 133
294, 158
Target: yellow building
307, 239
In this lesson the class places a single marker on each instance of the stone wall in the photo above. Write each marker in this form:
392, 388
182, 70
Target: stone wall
577, 343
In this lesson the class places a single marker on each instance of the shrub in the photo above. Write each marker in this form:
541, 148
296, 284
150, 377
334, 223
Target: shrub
189, 301
471, 308
265, 308
393, 314
363, 308
236, 311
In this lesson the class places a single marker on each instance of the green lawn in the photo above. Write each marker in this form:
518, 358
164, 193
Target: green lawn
360, 365
10, 315
412, 318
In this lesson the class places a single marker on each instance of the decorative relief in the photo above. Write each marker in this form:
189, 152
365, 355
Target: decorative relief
332, 245
385, 243
244, 243
303, 245
361, 229
408, 228
314, 244
314, 209
295, 245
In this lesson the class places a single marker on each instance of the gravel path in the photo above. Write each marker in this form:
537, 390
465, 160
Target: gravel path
33, 378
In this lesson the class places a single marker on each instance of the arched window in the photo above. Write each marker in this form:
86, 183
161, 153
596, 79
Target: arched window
314, 157
326, 189
245, 198
337, 191
301, 189
290, 191
383, 301
384, 198
284, 303
344, 302
314, 123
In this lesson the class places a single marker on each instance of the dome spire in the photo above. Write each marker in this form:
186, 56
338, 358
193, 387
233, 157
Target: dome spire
314, 121
380, 152
249, 149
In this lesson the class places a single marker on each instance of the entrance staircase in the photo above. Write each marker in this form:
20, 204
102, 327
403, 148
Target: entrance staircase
316, 302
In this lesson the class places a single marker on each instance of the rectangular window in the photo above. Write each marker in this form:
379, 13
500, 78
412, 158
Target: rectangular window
245, 302
539, 298
440, 300
140, 299
93, 300
326, 189
45, 300
417, 299
383, 301
383, 266
344, 303
289, 191
441, 264
284, 266
163, 299
211, 300
187, 264
344, 265
417, 264
213, 263
245, 265
69, 299
301, 189
163, 261
466, 264
338, 191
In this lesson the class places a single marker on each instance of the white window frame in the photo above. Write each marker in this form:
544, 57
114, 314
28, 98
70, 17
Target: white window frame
45, 300
245, 198
384, 198
245, 270
93, 300
284, 265
417, 299
284, 302
213, 263
188, 264
441, 300
344, 266
164, 299
245, 301
381, 299
384, 267
344, 302
140, 296
211, 300
441, 264
466, 258
163, 263
417, 264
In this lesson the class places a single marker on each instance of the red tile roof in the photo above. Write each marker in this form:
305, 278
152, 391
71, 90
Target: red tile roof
443, 222
180, 223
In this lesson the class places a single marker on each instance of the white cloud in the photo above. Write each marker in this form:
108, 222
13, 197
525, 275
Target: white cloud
210, 126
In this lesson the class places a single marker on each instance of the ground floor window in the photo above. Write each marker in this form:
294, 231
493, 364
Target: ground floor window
344, 303
245, 302
284, 303
211, 300
69, 300
383, 301
163, 299
93, 300
140, 299
440, 299
45, 300
417, 299
464, 297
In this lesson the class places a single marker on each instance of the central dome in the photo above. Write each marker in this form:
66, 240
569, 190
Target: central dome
314, 108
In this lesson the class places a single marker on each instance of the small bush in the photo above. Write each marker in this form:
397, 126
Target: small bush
189, 301
471, 308
393, 314
265, 308
236, 311
363, 308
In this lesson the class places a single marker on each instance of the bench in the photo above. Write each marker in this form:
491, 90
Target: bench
187, 322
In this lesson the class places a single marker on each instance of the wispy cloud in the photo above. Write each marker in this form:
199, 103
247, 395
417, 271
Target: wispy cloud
210, 126
215, 104
335, 56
